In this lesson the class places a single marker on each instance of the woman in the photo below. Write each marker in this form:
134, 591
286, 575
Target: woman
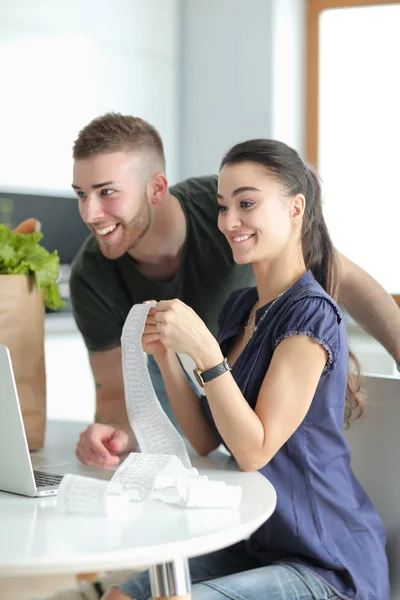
281, 408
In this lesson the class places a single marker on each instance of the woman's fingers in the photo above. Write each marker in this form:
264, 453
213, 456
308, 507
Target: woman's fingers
151, 321
148, 338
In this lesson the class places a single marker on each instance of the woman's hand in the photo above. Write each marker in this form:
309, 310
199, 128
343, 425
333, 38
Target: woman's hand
175, 326
151, 342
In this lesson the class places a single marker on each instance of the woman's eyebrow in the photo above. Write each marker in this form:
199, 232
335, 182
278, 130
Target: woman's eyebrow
239, 190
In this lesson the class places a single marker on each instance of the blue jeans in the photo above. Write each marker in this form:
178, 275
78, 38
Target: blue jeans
159, 388
232, 574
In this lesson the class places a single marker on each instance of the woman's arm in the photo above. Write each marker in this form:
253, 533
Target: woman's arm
254, 437
186, 405
370, 305
285, 396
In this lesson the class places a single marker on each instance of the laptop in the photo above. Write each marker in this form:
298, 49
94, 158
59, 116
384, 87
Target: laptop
16, 471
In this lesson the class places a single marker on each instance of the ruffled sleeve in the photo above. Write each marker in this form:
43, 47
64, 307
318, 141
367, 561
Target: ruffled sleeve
317, 317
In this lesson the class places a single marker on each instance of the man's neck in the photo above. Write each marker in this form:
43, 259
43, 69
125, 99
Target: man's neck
159, 254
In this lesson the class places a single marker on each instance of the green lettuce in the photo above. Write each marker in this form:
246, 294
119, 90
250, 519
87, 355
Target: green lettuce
21, 254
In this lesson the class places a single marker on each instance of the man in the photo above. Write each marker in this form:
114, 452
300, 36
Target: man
150, 242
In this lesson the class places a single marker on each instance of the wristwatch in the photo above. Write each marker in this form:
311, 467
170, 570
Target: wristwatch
204, 377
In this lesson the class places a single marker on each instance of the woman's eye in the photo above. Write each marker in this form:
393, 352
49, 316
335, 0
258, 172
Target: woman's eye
246, 204
107, 192
222, 209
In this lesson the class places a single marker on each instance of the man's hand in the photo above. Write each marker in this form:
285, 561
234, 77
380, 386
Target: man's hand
111, 435
99, 445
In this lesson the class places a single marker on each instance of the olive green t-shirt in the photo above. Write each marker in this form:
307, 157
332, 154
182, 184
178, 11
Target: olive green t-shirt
103, 290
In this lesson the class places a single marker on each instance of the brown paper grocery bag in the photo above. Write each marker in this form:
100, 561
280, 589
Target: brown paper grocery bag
22, 331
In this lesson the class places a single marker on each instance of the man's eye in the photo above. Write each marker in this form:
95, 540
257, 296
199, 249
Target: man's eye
222, 209
81, 194
107, 192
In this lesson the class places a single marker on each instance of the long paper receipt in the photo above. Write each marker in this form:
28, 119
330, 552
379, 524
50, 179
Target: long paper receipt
163, 469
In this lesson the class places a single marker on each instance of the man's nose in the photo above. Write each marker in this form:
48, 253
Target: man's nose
92, 209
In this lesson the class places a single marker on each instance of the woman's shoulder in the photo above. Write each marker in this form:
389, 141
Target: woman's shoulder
309, 310
307, 292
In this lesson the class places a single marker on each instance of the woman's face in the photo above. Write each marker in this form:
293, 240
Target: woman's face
257, 218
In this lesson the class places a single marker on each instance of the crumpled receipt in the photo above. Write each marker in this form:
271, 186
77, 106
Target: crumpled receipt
91, 497
139, 474
162, 470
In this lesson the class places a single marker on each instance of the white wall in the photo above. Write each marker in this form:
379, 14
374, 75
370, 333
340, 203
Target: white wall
63, 63
206, 73
242, 65
288, 81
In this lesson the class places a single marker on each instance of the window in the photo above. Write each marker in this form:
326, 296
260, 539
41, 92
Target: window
353, 128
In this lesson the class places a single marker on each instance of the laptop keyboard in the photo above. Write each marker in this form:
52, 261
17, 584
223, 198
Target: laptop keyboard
46, 479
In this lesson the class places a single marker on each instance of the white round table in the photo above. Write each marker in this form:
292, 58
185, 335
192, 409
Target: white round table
38, 539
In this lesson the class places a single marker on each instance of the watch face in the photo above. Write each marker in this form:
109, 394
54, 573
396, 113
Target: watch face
199, 379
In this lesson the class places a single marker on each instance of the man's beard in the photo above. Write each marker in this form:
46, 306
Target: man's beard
130, 234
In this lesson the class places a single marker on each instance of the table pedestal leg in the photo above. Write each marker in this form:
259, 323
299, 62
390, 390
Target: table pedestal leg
185, 597
171, 580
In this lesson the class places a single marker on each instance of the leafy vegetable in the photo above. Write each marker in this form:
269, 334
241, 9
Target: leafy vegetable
21, 254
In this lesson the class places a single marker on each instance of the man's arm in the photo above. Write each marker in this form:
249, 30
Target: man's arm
370, 305
110, 395
101, 443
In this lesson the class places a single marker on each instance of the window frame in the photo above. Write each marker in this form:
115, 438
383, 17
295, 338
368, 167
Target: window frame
314, 8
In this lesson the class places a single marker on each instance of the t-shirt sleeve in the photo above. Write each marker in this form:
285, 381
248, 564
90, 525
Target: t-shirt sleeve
316, 317
197, 186
94, 316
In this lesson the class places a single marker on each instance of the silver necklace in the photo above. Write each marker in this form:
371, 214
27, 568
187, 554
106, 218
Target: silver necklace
250, 329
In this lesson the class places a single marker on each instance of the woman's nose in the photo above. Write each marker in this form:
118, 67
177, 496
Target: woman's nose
233, 220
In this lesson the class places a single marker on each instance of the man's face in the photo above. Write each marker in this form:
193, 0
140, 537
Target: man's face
113, 201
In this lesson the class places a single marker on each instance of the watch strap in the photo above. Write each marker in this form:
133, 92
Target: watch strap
204, 377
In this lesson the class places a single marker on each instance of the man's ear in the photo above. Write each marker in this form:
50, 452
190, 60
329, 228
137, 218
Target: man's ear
298, 206
157, 188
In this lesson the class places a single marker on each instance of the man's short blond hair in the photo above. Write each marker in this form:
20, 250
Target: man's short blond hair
114, 132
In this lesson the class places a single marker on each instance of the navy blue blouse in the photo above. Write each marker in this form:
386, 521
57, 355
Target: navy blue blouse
323, 519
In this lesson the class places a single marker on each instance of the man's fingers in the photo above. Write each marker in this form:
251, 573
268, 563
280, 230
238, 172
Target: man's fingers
99, 444
91, 448
86, 458
118, 442
90, 458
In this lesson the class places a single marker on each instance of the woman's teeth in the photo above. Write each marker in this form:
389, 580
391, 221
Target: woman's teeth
241, 238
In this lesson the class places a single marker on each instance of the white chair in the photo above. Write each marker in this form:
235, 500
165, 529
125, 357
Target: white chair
375, 444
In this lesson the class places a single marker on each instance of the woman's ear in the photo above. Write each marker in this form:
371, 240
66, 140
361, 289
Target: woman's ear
157, 188
298, 206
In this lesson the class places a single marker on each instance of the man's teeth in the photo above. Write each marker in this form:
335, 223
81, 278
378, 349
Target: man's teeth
106, 230
241, 238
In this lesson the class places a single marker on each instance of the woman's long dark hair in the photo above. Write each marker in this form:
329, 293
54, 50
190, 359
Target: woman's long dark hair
297, 177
